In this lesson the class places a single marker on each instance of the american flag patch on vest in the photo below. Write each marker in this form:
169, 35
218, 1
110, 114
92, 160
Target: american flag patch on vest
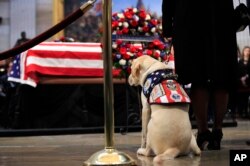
168, 92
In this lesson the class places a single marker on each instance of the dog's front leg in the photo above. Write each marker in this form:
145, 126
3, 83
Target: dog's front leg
146, 113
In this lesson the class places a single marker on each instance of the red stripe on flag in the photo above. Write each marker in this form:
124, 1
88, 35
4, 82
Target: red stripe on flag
64, 54
58, 71
75, 44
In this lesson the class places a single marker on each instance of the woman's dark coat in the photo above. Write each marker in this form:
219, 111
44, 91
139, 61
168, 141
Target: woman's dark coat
204, 40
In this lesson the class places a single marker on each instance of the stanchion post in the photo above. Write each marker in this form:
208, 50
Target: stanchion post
108, 80
108, 156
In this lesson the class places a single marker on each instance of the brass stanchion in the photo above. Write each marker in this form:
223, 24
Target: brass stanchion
108, 156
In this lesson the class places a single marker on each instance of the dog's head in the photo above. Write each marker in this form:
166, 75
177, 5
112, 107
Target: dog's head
140, 68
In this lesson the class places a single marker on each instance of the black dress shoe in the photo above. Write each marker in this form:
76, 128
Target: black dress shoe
215, 143
203, 139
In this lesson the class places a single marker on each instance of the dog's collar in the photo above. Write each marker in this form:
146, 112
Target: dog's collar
155, 78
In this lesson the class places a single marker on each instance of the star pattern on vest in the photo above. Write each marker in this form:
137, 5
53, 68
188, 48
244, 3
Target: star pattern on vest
155, 78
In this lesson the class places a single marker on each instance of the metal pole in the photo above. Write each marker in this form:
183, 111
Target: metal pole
108, 156
108, 81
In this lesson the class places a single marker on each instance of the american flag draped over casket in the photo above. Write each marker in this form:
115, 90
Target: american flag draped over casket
58, 59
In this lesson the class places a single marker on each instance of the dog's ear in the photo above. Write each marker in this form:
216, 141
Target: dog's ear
136, 70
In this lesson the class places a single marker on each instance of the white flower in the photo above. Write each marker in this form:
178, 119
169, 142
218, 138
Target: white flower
120, 24
136, 18
125, 25
148, 17
159, 27
153, 30
120, 15
122, 62
130, 54
158, 52
135, 10
114, 45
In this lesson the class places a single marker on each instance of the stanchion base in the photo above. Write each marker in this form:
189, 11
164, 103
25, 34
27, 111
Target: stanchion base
109, 157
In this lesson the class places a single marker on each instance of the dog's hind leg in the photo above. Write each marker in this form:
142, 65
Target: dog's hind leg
194, 147
169, 154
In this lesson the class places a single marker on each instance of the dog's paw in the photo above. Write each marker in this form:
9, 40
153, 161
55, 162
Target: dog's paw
197, 152
142, 151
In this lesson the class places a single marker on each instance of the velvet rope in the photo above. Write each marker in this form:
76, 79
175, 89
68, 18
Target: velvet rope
47, 34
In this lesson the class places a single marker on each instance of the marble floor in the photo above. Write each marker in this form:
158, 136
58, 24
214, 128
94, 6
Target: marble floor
73, 150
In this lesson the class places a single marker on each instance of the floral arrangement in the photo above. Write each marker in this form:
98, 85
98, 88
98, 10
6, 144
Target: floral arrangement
133, 21
136, 23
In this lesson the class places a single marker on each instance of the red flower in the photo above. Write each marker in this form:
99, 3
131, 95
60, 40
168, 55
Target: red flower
133, 49
123, 50
142, 14
128, 14
154, 22
139, 54
149, 52
125, 30
126, 56
134, 23
161, 46
118, 32
119, 41
157, 54
156, 42
121, 20
145, 29
115, 24
130, 10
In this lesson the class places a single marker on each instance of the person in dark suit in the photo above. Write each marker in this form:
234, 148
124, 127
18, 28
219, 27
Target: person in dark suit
204, 40
21, 40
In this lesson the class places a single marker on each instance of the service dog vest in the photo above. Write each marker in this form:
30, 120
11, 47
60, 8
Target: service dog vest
161, 87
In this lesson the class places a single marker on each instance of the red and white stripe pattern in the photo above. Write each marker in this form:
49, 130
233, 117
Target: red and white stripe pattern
65, 59
167, 92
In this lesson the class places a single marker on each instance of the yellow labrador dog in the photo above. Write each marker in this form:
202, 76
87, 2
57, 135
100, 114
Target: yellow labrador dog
166, 128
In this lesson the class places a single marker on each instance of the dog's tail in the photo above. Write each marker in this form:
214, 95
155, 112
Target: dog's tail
169, 154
